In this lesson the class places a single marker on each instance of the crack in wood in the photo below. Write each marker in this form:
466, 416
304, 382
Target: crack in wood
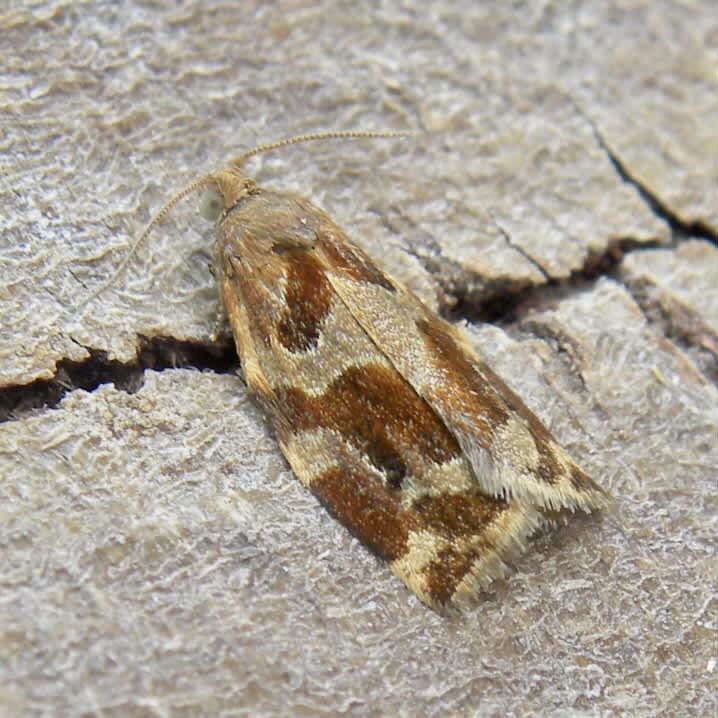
680, 227
517, 248
155, 353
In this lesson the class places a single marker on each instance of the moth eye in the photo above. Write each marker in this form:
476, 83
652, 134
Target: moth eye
211, 205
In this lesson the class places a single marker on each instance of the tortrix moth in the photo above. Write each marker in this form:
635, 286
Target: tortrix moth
381, 408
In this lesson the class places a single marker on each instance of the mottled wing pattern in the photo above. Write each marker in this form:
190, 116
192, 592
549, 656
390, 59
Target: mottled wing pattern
352, 428
510, 450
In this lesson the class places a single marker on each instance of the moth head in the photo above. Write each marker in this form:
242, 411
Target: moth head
222, 191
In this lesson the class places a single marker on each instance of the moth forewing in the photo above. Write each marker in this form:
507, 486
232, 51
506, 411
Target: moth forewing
380, 407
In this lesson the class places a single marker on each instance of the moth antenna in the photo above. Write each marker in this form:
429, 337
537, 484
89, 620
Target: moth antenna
330, 135
158, 217
236, 162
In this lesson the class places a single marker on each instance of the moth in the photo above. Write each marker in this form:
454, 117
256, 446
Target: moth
381, 408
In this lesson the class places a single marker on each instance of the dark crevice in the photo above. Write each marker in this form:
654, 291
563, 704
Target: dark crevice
507, 303
156, 353
680, 228
507, 306
469, 296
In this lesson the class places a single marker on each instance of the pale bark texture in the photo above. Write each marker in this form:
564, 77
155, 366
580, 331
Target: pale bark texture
559, 201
